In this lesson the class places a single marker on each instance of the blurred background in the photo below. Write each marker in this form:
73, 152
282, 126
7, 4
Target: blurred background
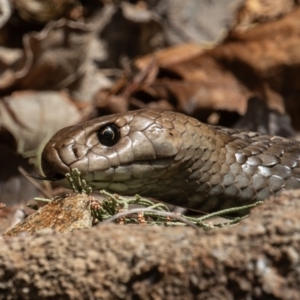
234, 63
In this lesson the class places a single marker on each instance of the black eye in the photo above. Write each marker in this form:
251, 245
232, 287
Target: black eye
109, 135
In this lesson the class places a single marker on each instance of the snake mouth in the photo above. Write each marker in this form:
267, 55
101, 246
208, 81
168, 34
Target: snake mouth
55, 177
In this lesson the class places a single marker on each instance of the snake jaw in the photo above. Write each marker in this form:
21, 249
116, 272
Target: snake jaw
52, 166
55, 177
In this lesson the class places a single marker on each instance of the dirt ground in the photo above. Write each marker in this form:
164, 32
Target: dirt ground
256, 259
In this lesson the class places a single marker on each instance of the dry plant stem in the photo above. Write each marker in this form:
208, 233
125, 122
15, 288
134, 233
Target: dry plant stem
137, 199
37, 185
171, 215
77, 184
37, 199
116, 208
162, 216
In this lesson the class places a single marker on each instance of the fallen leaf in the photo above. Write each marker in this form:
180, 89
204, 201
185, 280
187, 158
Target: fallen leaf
33, 117
52, 59
44, 11
262, 61
255, 12
194, 20
5, 8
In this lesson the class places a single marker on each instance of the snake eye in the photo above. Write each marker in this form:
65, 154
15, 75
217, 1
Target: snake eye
109, 135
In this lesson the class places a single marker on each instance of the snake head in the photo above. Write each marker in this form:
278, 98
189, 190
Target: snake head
122, 152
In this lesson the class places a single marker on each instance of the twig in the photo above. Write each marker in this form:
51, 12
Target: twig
169, 214
116, 208
37, 185
76, 182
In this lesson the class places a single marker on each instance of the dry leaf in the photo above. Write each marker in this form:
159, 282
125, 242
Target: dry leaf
262, 61
194, 20
43, 11
53, 58
5, 9
33, 117
254, 12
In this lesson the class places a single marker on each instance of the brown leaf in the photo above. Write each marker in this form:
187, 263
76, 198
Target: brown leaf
5, 8
169, 56
194, 20
45, 11
53, 58
263, 61
8, 58
33, 117
253, 12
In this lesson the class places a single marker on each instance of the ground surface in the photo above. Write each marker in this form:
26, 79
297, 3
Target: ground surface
257, 259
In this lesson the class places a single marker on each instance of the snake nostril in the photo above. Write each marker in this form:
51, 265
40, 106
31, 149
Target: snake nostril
75, 151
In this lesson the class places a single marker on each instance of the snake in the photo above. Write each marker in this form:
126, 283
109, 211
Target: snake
174, 158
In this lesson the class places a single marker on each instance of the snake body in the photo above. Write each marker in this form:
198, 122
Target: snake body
174, 158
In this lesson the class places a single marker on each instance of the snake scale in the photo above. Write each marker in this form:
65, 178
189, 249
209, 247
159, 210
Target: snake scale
174, 158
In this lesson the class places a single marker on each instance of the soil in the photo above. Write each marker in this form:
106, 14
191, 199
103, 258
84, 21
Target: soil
256, 259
